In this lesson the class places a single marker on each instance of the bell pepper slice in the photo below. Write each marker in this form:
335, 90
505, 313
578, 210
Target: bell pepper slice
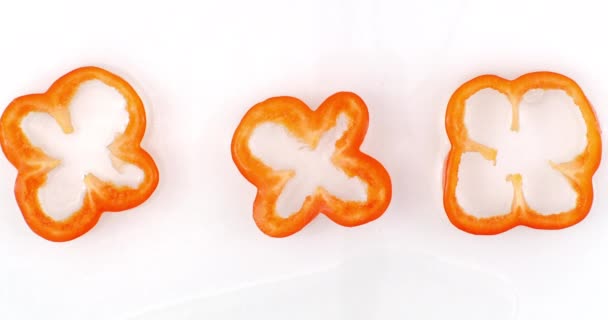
308, 126
579, 171
33, 164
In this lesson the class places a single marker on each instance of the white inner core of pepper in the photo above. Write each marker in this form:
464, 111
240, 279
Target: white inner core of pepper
98, 114
313, 168
551, 128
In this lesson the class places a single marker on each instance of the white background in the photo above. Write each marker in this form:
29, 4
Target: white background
200, 66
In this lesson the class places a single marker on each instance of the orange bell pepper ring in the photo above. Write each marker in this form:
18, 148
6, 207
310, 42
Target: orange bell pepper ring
578, 171
34, 165
308, 127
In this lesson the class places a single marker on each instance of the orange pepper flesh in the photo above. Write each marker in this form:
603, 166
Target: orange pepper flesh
308, 126
33, 164
579, 171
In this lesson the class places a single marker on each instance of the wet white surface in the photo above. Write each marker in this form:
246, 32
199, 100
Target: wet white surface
200, 66
387, 284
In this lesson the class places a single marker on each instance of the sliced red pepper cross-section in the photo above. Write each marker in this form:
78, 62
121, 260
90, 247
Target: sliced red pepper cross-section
33, 164
308, 126
578, 171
